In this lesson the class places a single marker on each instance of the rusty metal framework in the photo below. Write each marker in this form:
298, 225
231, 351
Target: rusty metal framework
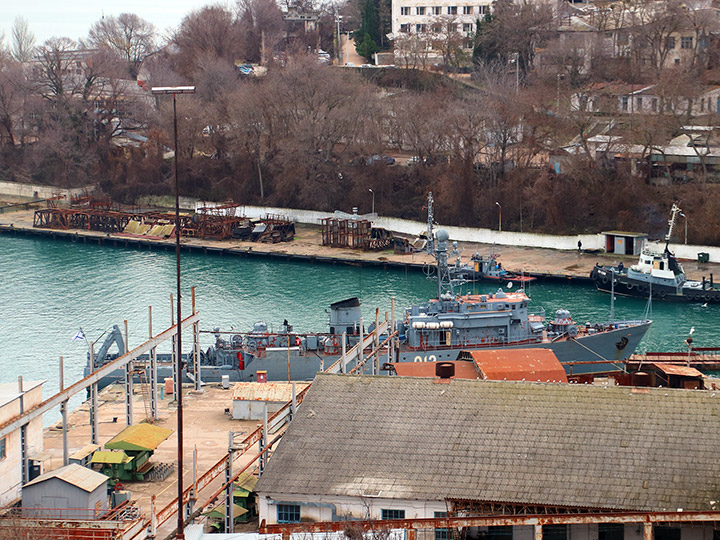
647, 519
123, 522
460, 508
355, 234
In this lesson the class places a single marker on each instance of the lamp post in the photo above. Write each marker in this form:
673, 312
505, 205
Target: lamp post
499, 216
683, 215
373, 200
338, 18
161, 91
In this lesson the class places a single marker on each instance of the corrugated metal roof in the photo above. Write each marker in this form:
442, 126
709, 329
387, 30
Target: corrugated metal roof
673, 369
76, 475
246, 481
274, 392
537, 365
109, 456
463, 369
139, 437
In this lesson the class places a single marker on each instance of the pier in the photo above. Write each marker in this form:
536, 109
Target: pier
542, 263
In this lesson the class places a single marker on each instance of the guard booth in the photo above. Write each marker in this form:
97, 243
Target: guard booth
624, 243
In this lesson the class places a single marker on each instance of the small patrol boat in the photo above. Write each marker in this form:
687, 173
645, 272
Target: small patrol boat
658, 274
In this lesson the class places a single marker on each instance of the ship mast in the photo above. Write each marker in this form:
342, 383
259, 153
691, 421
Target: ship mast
675, 210
430, 217
439, 251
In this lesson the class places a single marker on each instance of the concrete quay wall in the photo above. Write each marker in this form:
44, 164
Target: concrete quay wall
469, 234
36, 191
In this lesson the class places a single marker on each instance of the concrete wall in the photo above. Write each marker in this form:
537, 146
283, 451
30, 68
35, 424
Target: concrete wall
253, 410
10, 467
33, 191
330, 508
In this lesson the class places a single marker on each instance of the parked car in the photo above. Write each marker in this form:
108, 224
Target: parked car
380, 158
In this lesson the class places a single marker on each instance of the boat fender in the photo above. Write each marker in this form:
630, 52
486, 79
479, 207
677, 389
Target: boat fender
241, 360
629, 286
707, 297
603, 278
662, 294
297, 341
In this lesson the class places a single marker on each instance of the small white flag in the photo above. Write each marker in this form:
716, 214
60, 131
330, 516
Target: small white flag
80, 335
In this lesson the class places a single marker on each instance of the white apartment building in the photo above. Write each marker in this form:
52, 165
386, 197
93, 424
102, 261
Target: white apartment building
429, 21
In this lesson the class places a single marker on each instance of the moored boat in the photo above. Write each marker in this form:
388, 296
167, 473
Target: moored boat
658, 274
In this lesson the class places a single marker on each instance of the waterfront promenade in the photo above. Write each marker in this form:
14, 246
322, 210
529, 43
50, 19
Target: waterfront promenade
540, 262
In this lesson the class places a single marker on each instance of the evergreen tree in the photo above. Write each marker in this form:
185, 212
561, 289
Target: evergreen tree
486, 49
367, 47
369, 30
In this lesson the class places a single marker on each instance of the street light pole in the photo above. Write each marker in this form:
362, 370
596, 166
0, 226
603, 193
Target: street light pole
338, 18
174, 90
499, 216
373, 200
683, 215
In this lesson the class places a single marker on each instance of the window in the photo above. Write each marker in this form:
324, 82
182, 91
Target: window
437, 10
420, 28
467, 10
288, 513
3, 448
667, 533
639, 104
404, 11
392, 514
670, 42
702, 104
611, 531
504, 532
654, 104
686, 42
452, 10
677, 61
625, 101
481, 10
467, 27
421, 10
554, 532
405, 28
441, 534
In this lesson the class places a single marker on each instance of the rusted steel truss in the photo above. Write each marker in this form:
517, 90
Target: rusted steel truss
537, 520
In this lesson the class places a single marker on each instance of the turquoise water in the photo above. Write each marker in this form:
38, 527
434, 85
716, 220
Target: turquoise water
49, 289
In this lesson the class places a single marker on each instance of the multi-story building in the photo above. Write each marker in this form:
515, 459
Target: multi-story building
420, 28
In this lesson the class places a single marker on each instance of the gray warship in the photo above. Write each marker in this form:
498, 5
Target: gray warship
437, 330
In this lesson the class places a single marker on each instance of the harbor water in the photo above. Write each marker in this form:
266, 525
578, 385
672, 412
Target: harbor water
51, 289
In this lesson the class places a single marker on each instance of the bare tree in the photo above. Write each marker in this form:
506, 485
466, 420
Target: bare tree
23, 40
55, 71
12, 93
207, 32
262, 27
129, 36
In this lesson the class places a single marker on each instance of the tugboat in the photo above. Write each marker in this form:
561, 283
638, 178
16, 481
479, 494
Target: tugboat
658, 274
